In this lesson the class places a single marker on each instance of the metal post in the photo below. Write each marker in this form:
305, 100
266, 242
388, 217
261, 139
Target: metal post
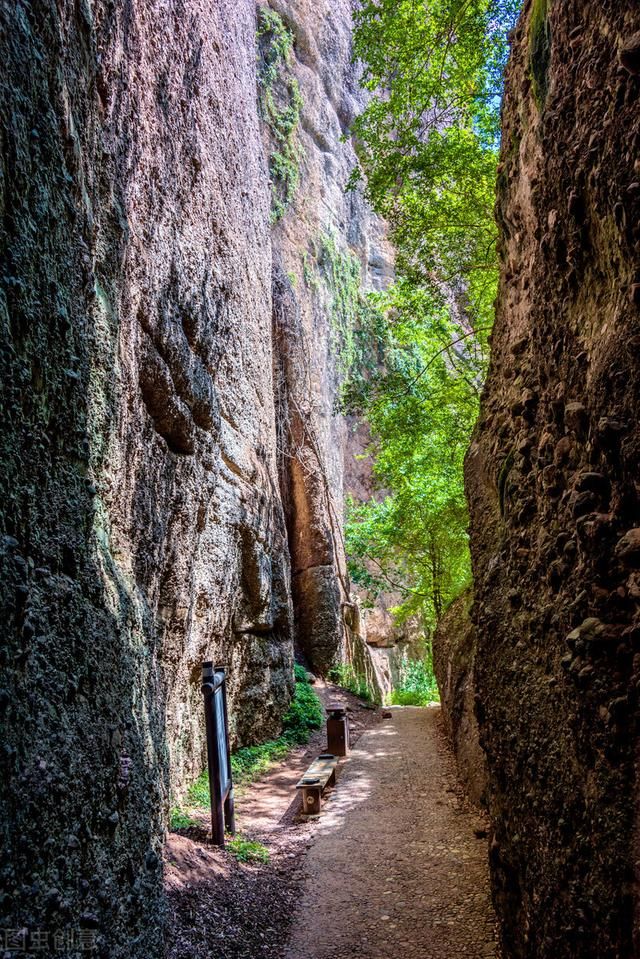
217, 816
338, 731
229, 804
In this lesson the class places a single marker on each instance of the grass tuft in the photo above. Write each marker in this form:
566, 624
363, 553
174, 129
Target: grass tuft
180, 819
247, 850
198, 792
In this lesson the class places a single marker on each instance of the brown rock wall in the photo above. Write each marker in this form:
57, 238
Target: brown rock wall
192, 508
454, 663
314, 434
552, 485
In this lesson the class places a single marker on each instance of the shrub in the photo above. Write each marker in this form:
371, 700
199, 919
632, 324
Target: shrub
304, 714
418, 685
198, 792
179, 819
300, 673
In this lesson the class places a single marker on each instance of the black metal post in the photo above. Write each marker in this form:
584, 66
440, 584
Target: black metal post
215, 792
229, 804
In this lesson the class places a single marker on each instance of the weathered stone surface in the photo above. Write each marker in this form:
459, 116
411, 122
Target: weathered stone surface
317, 444
553, 497
380, 629
454, 655
628, 547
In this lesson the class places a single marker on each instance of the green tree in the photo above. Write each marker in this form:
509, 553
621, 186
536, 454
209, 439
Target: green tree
428, 150
420, 411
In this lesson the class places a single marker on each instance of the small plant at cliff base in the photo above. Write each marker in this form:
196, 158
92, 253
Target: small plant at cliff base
428, 150
280, 106
179, 819
247, 850
197, 798
198, 793
305, 714
345, 675
250, 762
300, 674
417, 685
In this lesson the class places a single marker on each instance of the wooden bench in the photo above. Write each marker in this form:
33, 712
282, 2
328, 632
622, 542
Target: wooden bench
320, 774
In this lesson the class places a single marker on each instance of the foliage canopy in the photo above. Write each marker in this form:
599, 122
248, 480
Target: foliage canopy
417, 686
428, 150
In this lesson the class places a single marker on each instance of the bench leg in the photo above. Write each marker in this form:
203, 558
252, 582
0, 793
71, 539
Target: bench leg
311, 801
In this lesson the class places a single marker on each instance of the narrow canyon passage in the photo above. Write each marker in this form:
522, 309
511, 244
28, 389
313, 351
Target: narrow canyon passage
396, 867
320, 363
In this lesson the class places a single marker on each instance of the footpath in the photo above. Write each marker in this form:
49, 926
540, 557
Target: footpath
398, 865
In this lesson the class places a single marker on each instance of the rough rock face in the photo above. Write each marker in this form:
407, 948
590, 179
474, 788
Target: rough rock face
454, 663
552, 481
325, 247
144, 528
172, 465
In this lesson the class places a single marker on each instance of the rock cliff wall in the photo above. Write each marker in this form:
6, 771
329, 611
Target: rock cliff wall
172, 460
327, 246
552, 483
454, 664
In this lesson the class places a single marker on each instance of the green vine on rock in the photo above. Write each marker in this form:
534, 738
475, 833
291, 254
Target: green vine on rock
540, 50
357, 325
280, 107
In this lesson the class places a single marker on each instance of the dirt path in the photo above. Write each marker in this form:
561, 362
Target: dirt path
396, 867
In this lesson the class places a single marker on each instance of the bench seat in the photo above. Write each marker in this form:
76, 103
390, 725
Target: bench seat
320, 774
